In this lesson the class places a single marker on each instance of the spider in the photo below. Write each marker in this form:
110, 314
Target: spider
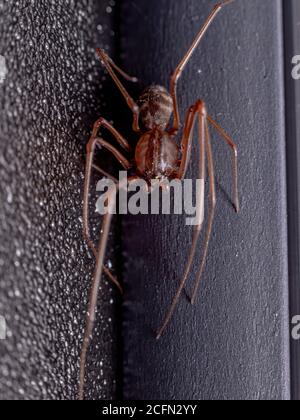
156, 156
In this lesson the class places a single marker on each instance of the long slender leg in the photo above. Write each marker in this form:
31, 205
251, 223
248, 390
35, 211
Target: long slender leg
119, 156
110, 65
89, 165
198, 109
103, 123
212, 198
186, 58
90, 319
187, 139
104, 173
112, 278
90, 157
117, 68
233, 147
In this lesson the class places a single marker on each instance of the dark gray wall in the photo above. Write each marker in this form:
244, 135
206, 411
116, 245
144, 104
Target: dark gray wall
234, 343
48, 103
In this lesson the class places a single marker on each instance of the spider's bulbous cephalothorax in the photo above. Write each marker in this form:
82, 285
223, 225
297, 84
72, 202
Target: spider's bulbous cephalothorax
156, 108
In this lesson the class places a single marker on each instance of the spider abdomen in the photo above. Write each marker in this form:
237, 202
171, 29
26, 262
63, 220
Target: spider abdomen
156, 155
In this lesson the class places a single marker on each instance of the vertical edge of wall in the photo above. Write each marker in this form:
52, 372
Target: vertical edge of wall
234, 343
292, 48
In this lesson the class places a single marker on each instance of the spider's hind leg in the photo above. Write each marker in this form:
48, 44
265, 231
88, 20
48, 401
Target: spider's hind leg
91, 313
212, 199
233, 147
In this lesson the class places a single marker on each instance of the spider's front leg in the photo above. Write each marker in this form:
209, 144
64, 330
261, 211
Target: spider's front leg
87, 184
110, 66
181, 66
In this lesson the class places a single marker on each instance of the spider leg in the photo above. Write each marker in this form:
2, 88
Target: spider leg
117, 68
178, 71
101, 122
212, 199
87, 184
187, 139
90, 319
233, 147
110, 66
112, 278
197, 110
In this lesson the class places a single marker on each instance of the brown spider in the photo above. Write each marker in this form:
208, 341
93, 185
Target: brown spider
157, 156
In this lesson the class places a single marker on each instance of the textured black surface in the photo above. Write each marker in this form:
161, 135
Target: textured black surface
292, 48
234, 343
48, 102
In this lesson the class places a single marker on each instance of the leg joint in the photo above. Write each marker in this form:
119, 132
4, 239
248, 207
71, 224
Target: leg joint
91, 145
200, 107
100, 122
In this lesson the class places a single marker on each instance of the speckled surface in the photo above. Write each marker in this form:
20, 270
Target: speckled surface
48, 102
